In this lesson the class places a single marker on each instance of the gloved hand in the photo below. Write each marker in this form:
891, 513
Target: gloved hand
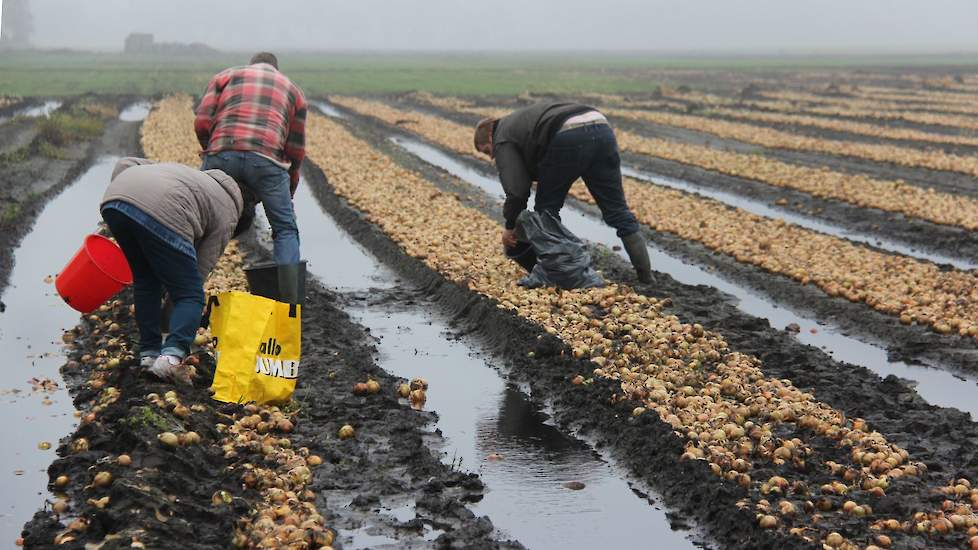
509, 238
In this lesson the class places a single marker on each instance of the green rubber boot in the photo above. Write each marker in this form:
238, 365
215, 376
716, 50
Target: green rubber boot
288, 284
638, 253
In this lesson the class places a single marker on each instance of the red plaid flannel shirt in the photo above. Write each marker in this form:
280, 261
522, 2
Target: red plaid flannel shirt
254, 108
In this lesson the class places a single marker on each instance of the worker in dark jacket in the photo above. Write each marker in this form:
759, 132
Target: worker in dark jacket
172, 223
554, 144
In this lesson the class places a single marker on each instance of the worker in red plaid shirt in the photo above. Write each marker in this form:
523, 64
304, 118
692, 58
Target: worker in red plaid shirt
251, 125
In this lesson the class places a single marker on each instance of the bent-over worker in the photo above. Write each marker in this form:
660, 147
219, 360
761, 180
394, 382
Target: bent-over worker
554, 144
251, 125
172, 223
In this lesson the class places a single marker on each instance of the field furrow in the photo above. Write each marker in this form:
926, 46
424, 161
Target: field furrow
863, 191
731, 416
916, 291
777, 139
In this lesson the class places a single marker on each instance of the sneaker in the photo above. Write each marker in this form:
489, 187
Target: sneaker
147, 361
169, 367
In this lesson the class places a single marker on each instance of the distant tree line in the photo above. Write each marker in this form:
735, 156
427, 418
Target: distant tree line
143, 43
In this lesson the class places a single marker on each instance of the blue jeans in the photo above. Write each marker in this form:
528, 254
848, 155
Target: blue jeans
157, 264
589, 153
270, 184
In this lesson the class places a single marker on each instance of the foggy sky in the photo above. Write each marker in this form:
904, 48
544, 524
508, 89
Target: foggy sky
798, 26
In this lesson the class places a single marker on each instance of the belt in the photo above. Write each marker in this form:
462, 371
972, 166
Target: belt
575, 125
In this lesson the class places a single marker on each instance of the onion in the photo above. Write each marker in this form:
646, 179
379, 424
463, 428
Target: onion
102, 479
123, 460
768, 522
168, 439
373, 386
346, 432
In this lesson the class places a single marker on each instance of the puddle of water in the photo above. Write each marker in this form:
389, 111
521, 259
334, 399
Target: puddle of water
43, 109
763, 209
338, 261
30, 335
523, 460
329, 110
135, 112
937, 386
480, 416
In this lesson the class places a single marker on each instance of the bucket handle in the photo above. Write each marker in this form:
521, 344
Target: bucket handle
205, 319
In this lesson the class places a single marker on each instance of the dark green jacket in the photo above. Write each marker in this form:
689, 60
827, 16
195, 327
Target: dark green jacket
519, 142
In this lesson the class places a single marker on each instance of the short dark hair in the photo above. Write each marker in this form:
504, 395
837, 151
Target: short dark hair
265, 57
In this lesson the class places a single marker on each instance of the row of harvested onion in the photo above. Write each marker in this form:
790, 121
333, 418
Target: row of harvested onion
916, 291
719, 401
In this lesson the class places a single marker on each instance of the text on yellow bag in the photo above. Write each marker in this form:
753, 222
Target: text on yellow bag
258, 345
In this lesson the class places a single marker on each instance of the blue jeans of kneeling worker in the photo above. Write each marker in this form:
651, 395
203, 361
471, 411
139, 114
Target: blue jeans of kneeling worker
270, 183
158, 259
589, 153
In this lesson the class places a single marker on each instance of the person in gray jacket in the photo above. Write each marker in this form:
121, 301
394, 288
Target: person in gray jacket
172, 223
554, 144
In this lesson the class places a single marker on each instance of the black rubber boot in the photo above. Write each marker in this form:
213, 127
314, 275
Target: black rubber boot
638, 253
288, 284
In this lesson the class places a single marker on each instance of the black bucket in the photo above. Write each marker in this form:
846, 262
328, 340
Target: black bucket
263, 280
523, 254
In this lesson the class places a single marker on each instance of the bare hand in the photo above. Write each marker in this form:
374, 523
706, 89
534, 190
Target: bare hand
509, 238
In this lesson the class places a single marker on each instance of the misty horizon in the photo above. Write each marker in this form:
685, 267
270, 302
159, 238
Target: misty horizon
626, 26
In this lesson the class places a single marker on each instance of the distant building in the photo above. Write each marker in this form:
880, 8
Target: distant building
17, 25
145, 43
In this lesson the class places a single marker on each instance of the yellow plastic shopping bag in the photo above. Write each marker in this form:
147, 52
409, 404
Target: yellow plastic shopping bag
257, 341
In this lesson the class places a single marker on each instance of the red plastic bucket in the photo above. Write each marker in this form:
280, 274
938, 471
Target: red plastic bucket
97, 271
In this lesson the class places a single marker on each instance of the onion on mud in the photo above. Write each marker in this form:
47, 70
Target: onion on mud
346, 432
404, 391
102, 479
123, 460
373, 386
61, 481
169, 439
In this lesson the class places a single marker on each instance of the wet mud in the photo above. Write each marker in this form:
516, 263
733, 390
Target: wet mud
911, 344
944, 439
489, 427
951, 182
391, 465
26, 185
922, 235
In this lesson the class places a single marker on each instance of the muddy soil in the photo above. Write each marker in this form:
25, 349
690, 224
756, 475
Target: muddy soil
27, 185
944, 439
912, 344
393, 461
950, 182
163, 499
648, 448
920, 234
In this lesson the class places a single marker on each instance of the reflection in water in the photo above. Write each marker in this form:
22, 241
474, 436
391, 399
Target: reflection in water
43, 109
479, 416
937, 386
30, 335
328, 109
520, 422
763, 209
135, 112
495, 431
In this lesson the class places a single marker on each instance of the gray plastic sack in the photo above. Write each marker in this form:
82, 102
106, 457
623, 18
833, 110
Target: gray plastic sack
562, 259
